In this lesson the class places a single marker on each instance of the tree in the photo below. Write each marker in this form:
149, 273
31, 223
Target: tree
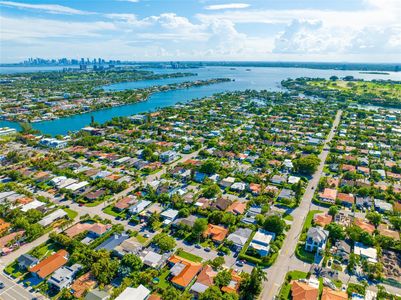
132, 261
105, 269
217, 262
199, 227
333, 210
211, 191
223, 278
164, 242
209, 167
212, 293
336, 231
333, 78
374, 217
307, 164
251, 286
274, 224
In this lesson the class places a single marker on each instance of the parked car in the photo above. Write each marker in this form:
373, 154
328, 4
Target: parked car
197, 246
1, 285
207, 249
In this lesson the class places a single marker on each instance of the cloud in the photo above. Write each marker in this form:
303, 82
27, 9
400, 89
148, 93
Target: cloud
49, 8
132, 1
227, 6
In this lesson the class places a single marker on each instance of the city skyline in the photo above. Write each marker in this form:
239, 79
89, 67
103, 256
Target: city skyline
143, 30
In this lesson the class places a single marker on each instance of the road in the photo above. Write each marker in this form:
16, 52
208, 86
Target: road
287, 261
13, 291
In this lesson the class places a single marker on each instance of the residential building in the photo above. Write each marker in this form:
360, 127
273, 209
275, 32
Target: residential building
216, 233
138, 293
204, 280
261, 241
50, 264
303, 290
63, 277
26, 261
183, 271
82, 284
240, 237
316, 239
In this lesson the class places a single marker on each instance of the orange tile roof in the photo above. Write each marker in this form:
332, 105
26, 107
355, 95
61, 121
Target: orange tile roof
24, 200
188, 273
329, 294
303, 291
365, 226
154, 297
11, 237
255, 188
234, 284
329, 194
50, 264
397, 206
237, 208
82, 284
322, 219
345, 197
77, 229
217, 233
206, 276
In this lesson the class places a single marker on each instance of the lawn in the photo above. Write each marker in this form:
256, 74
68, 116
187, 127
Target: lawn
189, 256
309, 219
110, 211
94, 203
44, 250
288, 218
71, 213
143, 240
303, 255
163, 283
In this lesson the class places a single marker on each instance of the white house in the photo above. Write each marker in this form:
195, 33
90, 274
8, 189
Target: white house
316, 239
261, 241
169, 216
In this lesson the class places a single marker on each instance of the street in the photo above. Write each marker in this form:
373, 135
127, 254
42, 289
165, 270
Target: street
287, 261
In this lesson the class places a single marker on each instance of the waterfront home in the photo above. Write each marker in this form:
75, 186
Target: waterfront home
50, 264
316, 239
53, 143
261, 241
63, 277
183, 271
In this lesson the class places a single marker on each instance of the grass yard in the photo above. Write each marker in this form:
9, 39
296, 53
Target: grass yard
288, 218
110, 211
44, 250
71, 213
143, 240
189, 256
309, 219
303, 255
163, 283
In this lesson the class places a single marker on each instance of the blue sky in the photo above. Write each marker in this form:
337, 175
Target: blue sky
269, 30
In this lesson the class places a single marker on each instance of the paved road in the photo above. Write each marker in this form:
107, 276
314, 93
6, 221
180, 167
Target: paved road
287, 260
13, 291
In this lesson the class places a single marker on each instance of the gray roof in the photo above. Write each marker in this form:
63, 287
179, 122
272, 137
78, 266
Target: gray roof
64, 276
27, 260
112, 242
317, 234
240, 236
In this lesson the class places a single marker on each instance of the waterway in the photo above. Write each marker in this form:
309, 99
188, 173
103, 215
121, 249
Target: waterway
258, 78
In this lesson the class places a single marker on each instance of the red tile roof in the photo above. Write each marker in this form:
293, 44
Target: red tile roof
50, 264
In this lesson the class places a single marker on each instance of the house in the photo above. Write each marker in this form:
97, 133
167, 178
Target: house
216, 233
204, 281
138, 207
152, 259
222, 203
54, 216
234, 284
328, 195
286, 194
236, 208
363, 202
4, 226
53, 143
64, 276
368, 253
50, 264
316, 239
26, 261
94, 229
382, 206
346, 199
138, 293
278, 179
168, 156
124, 203
82, 284
129, 246
385, 231
183, 271
255, 188
35, 204
240, 237
238, 186
261, 241
188, 221
169, 216
227, 182
97, 294
303, 290
365, 226
343, 250
322, 219
113, 241
329, 294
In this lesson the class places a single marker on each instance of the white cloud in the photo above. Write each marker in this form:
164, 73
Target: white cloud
49, 8
227, 6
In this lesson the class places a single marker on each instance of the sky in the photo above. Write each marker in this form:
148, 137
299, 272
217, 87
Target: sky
165, 30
